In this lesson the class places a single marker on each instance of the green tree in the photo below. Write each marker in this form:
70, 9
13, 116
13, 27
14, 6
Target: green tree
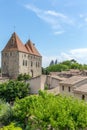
47, 111
56, 61
57, 67
66, 65
13, 89
52, 62
45, 71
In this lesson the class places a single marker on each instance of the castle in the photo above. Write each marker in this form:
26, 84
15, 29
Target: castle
18, 58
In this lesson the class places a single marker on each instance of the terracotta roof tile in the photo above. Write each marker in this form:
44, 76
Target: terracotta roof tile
31, 48
28, 48
15, 43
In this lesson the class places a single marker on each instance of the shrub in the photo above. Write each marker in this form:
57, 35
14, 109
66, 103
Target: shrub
23, 77
13, 89
11, 127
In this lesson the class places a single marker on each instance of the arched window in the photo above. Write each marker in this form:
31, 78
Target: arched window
31, 63
83, 97
63, 88
26, 62
23, 62
32, 74
69, 89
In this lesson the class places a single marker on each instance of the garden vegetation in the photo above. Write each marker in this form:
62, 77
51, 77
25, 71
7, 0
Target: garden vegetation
44, 112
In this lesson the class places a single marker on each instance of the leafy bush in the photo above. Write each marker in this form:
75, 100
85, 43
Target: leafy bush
46, 87
11, 127
49, 111
6, 114
45, 71
45, 111
11, 90
23, 77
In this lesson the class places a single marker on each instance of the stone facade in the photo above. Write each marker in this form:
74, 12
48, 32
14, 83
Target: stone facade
53, 81
68, 86
18, 58
75, 86
81, 92
36, 84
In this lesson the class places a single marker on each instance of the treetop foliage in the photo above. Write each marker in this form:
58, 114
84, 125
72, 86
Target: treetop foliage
46, 111
11, 90
66, 65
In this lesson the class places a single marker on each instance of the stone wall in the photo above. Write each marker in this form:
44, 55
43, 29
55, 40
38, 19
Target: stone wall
10, 63
15, 62
80, 96
69, 89
53, 81
30, 64
35, 84
66, 89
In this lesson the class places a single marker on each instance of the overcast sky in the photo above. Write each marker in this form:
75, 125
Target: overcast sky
57, 27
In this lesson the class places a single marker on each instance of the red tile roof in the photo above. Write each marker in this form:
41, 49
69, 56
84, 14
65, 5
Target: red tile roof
31, 48
15, 43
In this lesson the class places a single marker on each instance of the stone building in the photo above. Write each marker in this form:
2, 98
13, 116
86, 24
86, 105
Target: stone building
81, 92
75, 86
68, 86
18, 58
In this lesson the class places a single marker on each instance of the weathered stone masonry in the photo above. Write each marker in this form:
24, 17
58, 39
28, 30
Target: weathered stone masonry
18, 58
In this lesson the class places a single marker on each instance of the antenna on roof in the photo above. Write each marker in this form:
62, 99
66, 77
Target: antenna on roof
29, 37
14, 28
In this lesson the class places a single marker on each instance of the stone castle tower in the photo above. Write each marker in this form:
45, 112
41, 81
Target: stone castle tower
18, 58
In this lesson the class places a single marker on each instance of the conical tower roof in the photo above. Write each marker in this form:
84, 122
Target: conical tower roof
15, 43
31, 48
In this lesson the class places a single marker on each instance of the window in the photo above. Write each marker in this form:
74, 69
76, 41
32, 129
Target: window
26, 62
32, 73
23, 62
69, 89
10, 53
34, 57
28, 56
5, 54
63, 88
31, 63
24, 55
4, 63
36, 64
83, 97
